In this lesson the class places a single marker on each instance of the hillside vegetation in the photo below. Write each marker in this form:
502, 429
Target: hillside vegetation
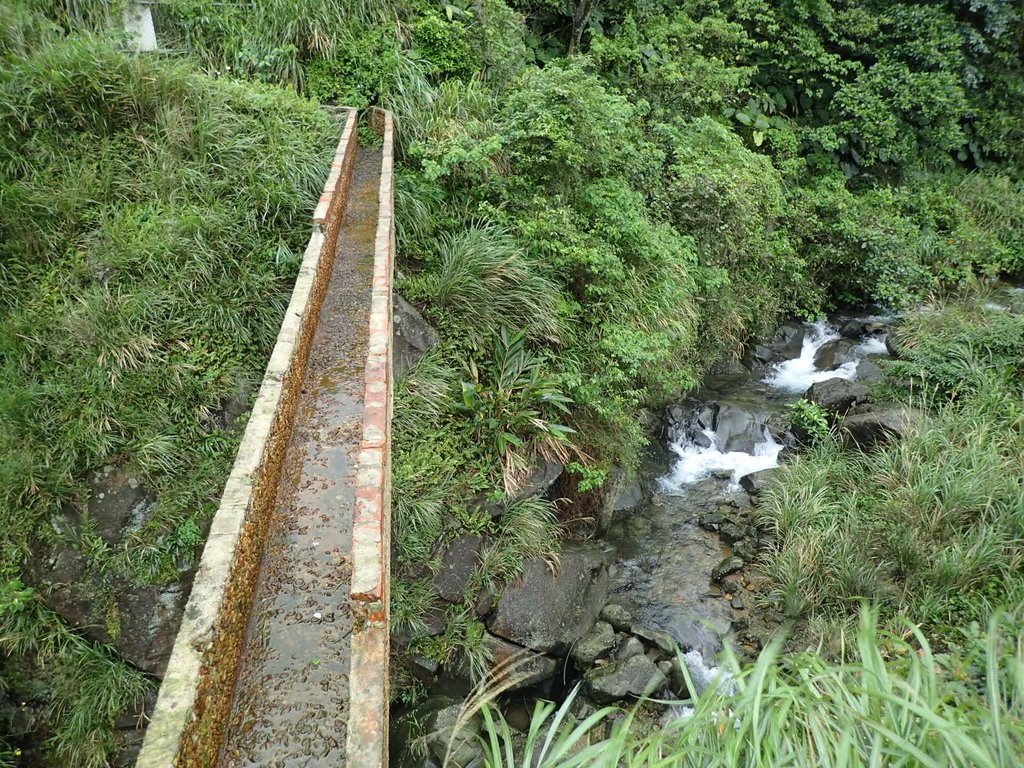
596, 201
151, 221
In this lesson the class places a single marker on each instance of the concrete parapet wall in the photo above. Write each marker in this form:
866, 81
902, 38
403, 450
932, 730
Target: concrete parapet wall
367, 745
195, 697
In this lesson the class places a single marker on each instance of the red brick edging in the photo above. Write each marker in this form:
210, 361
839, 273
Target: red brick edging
367, 745
195, 697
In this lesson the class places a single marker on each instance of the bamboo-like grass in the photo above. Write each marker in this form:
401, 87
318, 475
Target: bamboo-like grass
891, 702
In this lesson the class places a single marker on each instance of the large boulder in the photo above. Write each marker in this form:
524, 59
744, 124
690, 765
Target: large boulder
837, 395
881, 424
548, 609
737, 429
508, 661
458, 563
632, 677
140, 621
835, 353
413, 336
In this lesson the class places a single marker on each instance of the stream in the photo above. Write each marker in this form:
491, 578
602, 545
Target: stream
698, 514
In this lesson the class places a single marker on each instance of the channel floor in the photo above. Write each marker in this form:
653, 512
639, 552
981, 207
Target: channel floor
291, 697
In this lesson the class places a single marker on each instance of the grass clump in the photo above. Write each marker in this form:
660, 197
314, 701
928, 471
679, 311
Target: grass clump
928, 527
889, 702
151, 223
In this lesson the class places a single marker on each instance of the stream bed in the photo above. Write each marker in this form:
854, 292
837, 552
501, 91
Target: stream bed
674, 565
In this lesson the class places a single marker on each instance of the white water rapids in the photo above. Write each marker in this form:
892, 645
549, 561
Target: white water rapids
695, 461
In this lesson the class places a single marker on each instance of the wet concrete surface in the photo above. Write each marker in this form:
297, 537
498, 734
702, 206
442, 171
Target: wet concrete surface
291, 698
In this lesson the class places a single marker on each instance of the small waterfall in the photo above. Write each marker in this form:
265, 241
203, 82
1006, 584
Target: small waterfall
698, 458
796, 375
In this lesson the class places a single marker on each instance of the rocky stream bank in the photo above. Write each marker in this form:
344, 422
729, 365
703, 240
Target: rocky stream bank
669, 573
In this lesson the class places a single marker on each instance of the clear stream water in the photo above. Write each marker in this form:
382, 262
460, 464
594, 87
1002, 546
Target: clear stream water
664, 557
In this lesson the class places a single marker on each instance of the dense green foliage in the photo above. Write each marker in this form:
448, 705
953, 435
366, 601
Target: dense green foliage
928, 527
595, 202
889, 702
637, 189
151, 221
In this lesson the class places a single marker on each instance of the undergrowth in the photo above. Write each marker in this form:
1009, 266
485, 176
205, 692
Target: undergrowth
890, 701
929, 526
151, 222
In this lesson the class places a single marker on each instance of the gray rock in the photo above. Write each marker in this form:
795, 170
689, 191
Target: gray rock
592, 646
626, 494
837, 395
655, 637
835, 353
523, 666
618, 616
441, 724
756, 482
458, 563
145, 618
549, 612
737, 603
852, 329
882, 424
731, 533
746, 549
633, 677
789, 340
727, 567
541, 479
413, 336
678, 680
737, 429
630, 646
869, 371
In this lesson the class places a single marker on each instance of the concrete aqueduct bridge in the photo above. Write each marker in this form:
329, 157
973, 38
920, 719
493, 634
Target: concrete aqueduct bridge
289, 609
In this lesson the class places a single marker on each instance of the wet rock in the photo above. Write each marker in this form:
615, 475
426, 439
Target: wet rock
541, 479
746, 549
441, 723
618, 616
630, 647
868, 371
633, 677
598, 642
712, 521
413, 336
549, 612
756, 482
655, 637
727, 567
737, 603
835, 353
141, 622
731, 533
737, 429
678, 680
837, 395
458, 563
789, 340
852, 329
883, 423
757, 357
